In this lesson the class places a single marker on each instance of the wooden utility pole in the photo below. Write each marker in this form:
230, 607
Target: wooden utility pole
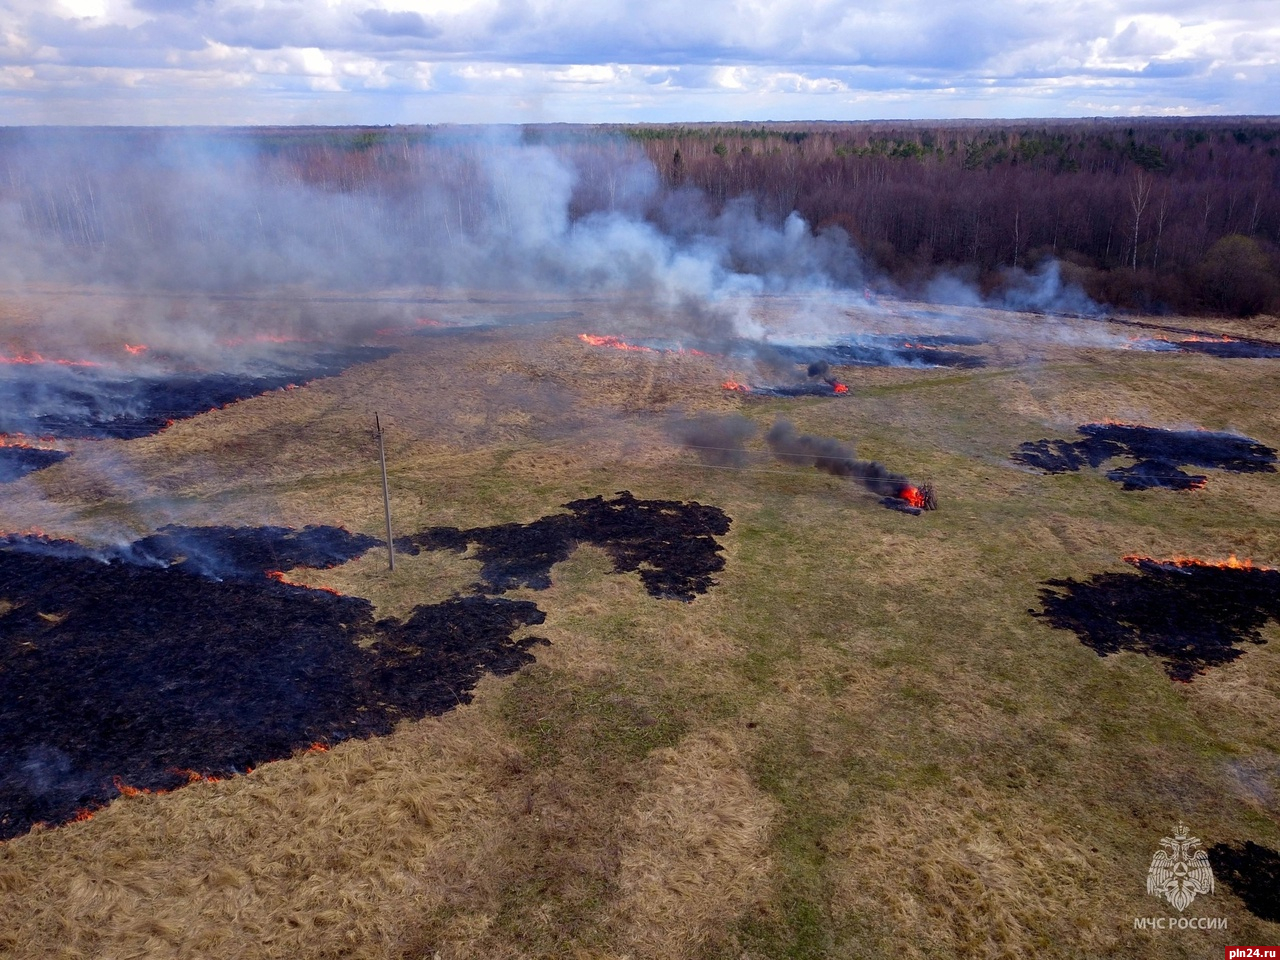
386, 494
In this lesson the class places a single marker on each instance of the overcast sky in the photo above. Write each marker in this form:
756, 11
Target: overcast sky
435, 61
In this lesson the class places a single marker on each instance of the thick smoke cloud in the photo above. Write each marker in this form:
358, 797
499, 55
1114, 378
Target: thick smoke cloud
330, 236
230, 213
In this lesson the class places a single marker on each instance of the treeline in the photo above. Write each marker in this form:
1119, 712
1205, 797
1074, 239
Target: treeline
1149, 214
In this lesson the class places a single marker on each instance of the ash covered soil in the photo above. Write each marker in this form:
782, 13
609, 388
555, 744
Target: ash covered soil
186, 655
1159, 455
87, 402
1190, 615
18, 461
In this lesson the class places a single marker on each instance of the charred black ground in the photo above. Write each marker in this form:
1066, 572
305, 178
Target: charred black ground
1252, 871
1225, 348
1159, 454
17, 462
113, 665
219, 553
867, 350
820, 389
48, 399
1191, 615
148, 663
892, 350
671, 544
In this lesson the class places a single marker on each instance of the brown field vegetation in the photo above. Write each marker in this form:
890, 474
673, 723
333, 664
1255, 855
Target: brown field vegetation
859, 744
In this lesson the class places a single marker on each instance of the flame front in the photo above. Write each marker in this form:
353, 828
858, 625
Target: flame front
33, 358
279, 577
617, 343
128, 791
735, 385
136, 348
23, 441
839, 387
1174, 563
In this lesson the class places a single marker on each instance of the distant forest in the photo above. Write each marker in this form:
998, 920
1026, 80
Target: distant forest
1151, 214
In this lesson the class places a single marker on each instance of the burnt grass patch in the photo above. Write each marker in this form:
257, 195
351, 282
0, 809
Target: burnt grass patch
822, 389
864, 350
1192, 615
219, 553
147, 666
17, 462
1252, 871
670, 544
1159, 454
1225, 349
889, 350
99, 403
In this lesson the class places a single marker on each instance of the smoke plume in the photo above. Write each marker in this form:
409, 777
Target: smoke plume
833, 457
718, 440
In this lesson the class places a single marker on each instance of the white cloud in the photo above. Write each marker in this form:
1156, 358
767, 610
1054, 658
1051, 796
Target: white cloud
596, 60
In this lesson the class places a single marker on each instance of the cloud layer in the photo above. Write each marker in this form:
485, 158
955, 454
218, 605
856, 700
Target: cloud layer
401, 61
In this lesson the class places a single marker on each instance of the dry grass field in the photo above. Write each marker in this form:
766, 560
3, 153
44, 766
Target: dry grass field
859, 744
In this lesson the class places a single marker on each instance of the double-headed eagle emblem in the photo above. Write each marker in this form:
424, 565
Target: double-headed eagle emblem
1178, 874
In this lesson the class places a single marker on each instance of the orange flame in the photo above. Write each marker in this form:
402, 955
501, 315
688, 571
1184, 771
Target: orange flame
136, 348
913, 496
735, 385
128, 791
840, 387
21, 440
616, 342
35, 358
1231, 563
279, 577
29, 532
